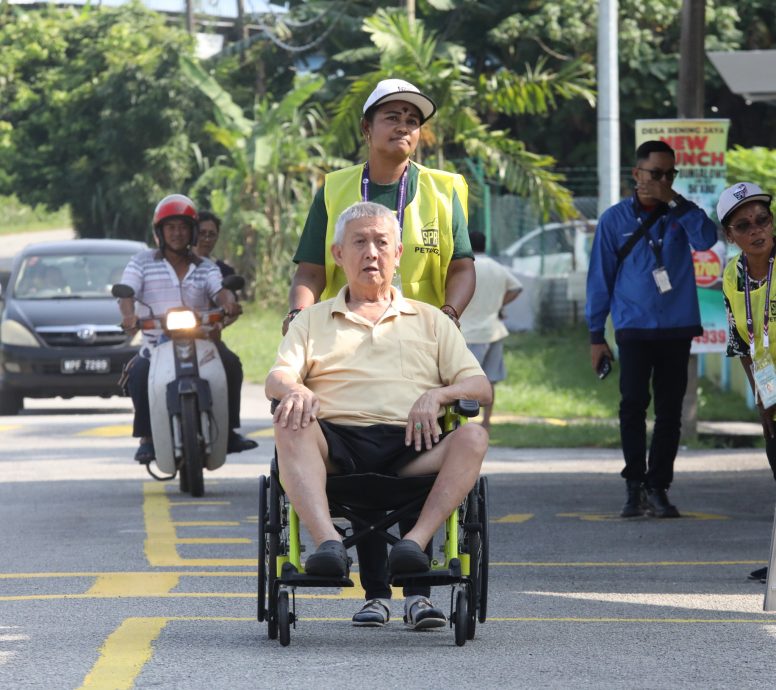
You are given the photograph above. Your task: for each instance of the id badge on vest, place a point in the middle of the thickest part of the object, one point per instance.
(662, 280)
(764, 375)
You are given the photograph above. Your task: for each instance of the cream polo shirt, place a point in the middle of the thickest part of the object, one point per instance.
(480, 322)
(365, 373)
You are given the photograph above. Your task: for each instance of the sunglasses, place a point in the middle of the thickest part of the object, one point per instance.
(745, 226)
(658, 175)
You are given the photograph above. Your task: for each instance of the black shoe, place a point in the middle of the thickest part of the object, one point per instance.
(422, 615)
(330, 559)
(145, 453)
(659, 506)
(407, 557)
(759, 575)
(635, 505)
(238, 443)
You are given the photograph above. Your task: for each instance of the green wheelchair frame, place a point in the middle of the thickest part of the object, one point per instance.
(466, 550)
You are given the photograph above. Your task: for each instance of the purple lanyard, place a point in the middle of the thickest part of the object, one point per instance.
(748, 303)
(401, 195)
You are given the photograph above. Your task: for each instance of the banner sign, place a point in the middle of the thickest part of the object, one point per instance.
(700, 147)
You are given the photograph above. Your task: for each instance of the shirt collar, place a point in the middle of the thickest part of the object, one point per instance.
(398, 303)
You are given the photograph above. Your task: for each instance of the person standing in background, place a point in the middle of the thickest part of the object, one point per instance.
(482, 323)
(641, 272)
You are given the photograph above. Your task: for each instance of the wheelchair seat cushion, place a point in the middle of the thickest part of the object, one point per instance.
(378, 448)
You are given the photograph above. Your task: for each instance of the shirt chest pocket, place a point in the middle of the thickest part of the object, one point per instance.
(419, 359)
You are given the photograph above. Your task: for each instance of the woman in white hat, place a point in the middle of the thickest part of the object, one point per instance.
(748, 286)
(437, 266)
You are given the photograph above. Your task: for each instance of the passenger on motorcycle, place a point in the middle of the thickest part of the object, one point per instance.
(174, 276)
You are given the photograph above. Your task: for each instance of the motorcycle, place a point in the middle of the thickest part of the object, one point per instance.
(187, 391)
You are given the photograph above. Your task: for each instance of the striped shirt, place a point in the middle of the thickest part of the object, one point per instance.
(155, 282)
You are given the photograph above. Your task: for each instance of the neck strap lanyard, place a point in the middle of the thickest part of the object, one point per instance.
(657, 247)
(401, 194)
(748, 303)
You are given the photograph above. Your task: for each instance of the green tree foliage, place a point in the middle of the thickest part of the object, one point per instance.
(465, 101)
(263, 183)
(93, 113)
(756, 165)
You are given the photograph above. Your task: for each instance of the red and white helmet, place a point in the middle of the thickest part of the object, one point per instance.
(175, 206)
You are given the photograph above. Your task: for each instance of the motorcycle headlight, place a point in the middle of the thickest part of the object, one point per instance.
(180, 320)
(13, 333)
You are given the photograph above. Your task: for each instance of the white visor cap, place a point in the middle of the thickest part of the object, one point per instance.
(400, 90)
(739, 194)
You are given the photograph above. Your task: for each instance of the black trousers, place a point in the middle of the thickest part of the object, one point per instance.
(138, 390)
(663, 364)
(373, 561)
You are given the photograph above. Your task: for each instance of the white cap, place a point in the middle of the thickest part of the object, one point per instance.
(400, 90)
(737, 195)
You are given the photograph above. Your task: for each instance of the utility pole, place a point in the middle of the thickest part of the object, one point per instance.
(411, 11)
(190, 17)
(690, 93)
(608, 78)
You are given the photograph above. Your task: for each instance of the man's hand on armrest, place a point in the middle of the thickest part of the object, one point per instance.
(422, 419)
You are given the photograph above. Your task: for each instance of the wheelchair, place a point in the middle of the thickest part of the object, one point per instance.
(463, 566)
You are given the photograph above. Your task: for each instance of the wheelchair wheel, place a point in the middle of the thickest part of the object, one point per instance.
(474, 548)
(485, 558)
(284, 618)
(272, 553)
(261, 591)
(461, 617)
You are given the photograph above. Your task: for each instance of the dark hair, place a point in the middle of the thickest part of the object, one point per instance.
(478, 241)
(209, 215)
(653, 146)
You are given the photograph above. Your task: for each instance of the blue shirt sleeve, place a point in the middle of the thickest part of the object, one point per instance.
(601, 275)
(701, 231)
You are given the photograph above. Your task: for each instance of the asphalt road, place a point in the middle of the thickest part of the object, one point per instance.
(111, 580)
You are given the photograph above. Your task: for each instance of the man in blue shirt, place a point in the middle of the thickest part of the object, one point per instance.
(651, 295)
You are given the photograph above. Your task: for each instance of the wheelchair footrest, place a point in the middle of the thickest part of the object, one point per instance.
(291, 577)
(430, 578)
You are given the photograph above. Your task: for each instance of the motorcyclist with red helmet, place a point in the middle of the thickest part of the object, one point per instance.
(174, 276)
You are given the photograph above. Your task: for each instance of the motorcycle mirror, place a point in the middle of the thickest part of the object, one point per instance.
(234, 283)
(122, 291)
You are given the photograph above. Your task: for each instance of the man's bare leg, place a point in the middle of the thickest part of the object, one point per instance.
(303, 462)
(457, 459)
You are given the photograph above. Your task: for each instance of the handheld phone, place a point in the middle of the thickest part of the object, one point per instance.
(604, 367)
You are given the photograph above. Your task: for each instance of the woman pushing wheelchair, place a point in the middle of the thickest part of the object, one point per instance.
(361, 379)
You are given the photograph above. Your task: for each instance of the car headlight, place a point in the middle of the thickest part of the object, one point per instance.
(13, 333)
(180, 320)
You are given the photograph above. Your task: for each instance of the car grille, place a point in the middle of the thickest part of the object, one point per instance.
(82, 336)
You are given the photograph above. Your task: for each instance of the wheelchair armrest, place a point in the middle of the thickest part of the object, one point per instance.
(466, 408)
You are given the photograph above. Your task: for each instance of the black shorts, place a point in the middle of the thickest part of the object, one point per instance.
(360, 449)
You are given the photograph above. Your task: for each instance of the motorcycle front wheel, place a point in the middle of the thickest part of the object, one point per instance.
(193, 455)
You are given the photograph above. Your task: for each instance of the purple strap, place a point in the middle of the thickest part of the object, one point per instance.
(748, 304)
(401, 195)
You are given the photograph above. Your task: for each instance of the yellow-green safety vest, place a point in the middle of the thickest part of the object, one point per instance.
(427, 235)
(738, 307)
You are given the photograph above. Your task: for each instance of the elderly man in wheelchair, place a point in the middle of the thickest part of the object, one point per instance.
(361, 380)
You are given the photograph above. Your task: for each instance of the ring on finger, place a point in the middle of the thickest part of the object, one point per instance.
(418, 426)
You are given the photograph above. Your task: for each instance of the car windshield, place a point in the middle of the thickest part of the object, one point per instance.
(69, 276)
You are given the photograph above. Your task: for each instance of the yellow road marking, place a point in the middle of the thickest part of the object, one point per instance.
(134, 584)
(208, 523)
(607, 517)
(263, 433)
(109, 431)
(143, 573)
(613, 564)
(162, 539)
(9, 427)
(125, 652)
(515, 517)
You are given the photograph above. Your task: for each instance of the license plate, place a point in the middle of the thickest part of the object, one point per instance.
(85, 366)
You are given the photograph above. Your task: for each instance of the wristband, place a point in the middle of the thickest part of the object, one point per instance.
(290, 316)
(451, 312)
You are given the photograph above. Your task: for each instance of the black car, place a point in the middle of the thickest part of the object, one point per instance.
(60, 332)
